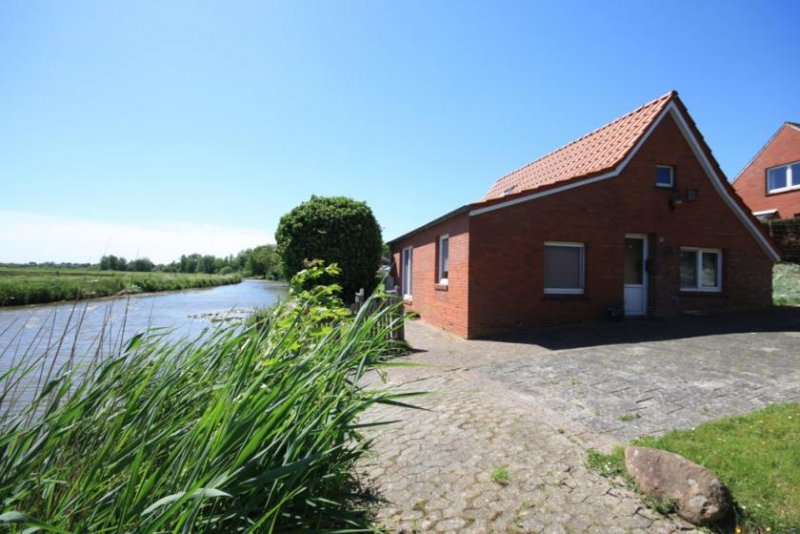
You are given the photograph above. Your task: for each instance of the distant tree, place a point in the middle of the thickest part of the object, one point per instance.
(336, 230)
(264, 261)
(142, 265)
(112, 263)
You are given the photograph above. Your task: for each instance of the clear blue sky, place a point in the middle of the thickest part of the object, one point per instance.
(123, 118)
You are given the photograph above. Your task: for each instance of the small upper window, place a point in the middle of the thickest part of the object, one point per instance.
(563, 268)
(783, 178)
(444, 259)
(665, 176)
(701, 269)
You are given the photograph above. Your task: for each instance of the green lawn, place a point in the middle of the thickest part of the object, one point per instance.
(756, 455)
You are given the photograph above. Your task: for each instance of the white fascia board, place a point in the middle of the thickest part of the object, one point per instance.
(716, 181)
(764, 212)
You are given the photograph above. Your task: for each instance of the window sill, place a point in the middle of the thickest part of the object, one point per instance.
(665, 186)
(784, 190)
(703, 292)
(441, 287)
(564, 296)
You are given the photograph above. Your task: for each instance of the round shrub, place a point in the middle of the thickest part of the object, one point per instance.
(335, 230)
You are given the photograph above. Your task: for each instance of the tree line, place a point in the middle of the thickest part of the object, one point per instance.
(262, 261)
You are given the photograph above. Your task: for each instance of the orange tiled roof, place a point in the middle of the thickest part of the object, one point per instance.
(594, 153)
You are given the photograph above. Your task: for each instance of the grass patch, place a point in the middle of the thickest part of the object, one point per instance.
(253, 430)
(756, 455)
(608, 465)
(628, 417)
(20, 286)
(501, 476)
(786, 284)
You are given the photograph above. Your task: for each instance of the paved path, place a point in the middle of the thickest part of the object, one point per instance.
(533, 406)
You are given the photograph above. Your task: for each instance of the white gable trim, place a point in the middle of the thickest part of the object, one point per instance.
(716, 181)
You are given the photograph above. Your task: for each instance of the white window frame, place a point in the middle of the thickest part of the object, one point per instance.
(406, 278)
(792, 182)
(698, 265)
(563, 290)
(671, 184)
(440, 261)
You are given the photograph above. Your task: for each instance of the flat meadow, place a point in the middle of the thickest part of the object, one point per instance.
(38, 285)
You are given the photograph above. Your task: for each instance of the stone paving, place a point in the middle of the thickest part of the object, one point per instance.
(533, 412)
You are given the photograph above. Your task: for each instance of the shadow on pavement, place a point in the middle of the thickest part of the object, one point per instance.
(590, 334)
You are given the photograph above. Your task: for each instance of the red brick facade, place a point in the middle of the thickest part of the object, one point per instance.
(751, 184)
(496, 281)
(444, 305)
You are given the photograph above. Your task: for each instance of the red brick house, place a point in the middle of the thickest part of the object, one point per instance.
(770, 183)
(636, 214)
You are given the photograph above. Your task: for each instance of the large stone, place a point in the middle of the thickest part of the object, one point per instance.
(699, 496)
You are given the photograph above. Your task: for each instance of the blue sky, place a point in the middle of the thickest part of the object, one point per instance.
(160, 128)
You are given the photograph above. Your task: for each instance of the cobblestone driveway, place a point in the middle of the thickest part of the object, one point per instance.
(532, 407)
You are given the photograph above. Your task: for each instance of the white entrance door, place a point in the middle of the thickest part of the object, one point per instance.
(635, 274)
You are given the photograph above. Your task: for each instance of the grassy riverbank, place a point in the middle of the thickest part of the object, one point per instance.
(248, 431)
(19, 285)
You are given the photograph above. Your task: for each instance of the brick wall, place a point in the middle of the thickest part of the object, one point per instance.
(506, 246)
(751, 185)
(437, 304)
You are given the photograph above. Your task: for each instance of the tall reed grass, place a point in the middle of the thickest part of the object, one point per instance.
(242, 430)
(20, 289)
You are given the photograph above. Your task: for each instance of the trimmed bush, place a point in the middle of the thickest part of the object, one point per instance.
(336, 230)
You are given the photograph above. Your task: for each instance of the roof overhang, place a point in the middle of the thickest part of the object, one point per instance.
(763, 215)
(446, 216)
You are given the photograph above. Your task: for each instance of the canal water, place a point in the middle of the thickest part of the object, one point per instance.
(79, 331)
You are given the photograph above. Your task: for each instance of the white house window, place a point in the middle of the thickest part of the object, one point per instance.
(563, 268)
(783, 178)
(701, 269)
(408, 258)
(665, 176)
(444, 259)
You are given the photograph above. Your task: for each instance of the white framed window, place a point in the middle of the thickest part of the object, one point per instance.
(783, 178)
(408, 262)
(443, 267)
(665, 176)
(563, 268)
(701, 269)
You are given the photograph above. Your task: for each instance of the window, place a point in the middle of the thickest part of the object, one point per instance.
(665, 176)
(444, 259)
(783, 178)
(408, 258)
(701, 269)
(563, 268)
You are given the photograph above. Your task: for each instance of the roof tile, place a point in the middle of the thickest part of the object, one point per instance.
(594, 153)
